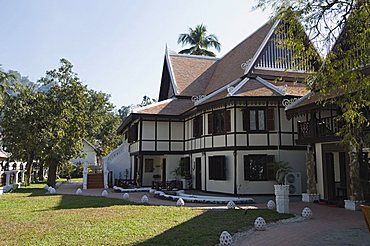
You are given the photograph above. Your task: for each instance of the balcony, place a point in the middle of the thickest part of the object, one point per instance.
(318, 130)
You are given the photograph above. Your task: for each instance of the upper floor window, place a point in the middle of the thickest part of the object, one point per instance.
(198, 126)
(219, 122)
(258, 119)
(133, 133)
(259, 167)
(217, 167)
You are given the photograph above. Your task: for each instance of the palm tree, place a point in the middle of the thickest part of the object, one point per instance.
(199, 41)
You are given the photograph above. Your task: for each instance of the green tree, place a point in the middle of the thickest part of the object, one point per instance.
(340, 29)
(22, 124)
(103, 122)
(345, 69)
(4, 84)
(199, 41)
(65, 116)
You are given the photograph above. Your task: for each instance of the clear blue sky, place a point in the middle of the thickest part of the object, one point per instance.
(116, 46)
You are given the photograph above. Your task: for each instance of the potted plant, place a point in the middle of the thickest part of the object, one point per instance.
(282, 168)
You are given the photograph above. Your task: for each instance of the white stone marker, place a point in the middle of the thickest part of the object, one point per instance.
(126, 196)
(230, 205)
(282, 198)
(225, 238)
(260, 224)
(180, 202)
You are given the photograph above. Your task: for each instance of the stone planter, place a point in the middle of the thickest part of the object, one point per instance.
(186, 184)
(306, 197)
(352, 205)
(282, 198)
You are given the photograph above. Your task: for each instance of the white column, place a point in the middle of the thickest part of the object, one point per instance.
(22, 176)
(282, 198)
(105, 173)
(16, 177)
(7, 178)
(84, 186)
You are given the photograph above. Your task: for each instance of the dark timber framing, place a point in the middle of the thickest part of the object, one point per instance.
(204, 145)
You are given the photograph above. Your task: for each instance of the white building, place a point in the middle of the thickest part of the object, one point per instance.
(222, 118)
(89, 154)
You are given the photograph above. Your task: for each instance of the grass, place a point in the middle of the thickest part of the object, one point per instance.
(29, 217)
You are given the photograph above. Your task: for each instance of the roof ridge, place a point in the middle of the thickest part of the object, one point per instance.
(240, 43)
(249, 36)
(170, 69)
(194, 56)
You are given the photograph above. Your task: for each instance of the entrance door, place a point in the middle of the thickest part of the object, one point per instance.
(329, 181)
(164, 166)
(198, 173)
(135, 168)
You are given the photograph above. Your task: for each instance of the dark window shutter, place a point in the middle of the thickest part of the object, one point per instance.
(245, 120)
(270, 121)
(246, 167)
(195, 127)
(210, 123)
(200, 123)
(129, 133)
(271, 167)
(227, 121)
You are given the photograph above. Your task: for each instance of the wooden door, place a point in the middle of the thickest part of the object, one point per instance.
(164, 167)
(135, 168)
(198, 173)
(329, 182)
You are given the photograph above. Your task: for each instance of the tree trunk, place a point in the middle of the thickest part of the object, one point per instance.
(41, 171)
(27, 179)
(354, 177)
(52, 173)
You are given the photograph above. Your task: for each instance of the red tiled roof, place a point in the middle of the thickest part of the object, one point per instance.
(228, 68)
(173, 106)
(187, 69)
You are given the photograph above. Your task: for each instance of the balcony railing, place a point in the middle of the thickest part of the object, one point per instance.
(317, 129)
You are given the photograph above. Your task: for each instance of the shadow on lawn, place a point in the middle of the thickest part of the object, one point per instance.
(206, 228)
(73, 201)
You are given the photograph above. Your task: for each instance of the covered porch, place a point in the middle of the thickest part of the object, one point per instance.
(159, 171)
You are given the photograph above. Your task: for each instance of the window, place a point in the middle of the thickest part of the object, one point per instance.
(198, 126)
(219, 122)
(133, 133)
(149, 165)
(259, 167)
(217, 168)
(258, 119)
(185, 166)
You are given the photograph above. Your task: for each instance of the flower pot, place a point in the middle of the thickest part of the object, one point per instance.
(307, 197)
(282, 198)
(352, 205)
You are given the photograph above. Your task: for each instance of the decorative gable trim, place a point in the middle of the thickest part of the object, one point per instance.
(294, 104)
(271, 86)
(260, 49)
(172, 75)
(217, 91)
(239, 86)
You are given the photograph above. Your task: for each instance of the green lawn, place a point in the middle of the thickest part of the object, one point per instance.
(28, 217)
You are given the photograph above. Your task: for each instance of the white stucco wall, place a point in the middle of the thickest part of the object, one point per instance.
(319, 170)
(88, 155)
(225, 186)
(118, 161)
